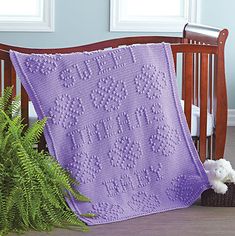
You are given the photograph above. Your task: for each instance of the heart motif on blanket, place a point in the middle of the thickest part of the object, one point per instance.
(109, 94)
(125, 153)
(144, 202)
(44, 64)
(164, 140)
(66, 111)
(182, 188)
(84, 168)
(150, 82)
(107, 211)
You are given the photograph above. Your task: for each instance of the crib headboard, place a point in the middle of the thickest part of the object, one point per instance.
(203, 77)
(208, 83)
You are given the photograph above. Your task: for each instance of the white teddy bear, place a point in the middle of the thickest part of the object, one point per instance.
(219, 172)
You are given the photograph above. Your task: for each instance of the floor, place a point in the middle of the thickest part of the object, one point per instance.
(196, 220)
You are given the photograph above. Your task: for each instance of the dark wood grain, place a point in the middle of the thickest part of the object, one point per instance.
(188, 87)
(24, 106)
(175, 61)
(1, 80)
(196, 79)
(220, 98)
(7, 73)
(13, 80)
(203, 105)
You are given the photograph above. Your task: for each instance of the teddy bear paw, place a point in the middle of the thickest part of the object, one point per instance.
(232, 176)
(221, 188)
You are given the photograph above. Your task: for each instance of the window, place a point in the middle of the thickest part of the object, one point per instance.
(27, 15)
(152, 15)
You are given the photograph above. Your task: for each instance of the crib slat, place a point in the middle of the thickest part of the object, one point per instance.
(1, 81)
(175, 61)
(42, 143)
(196, 79)
(188, 87)
(24, 106)
(7, 74)
(210, 146)
(193, 82)
(7, 78)
(184, 64)
(210, 106)
(210, 83)
(13, 80)
(203, 105)
(195, 140)
(183, 75)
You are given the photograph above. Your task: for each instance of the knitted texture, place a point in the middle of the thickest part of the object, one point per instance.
(116, 123)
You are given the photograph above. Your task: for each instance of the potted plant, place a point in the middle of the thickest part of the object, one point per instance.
(33, 186)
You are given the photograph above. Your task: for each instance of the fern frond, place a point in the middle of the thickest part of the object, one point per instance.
(14, 107)
(25, 161)
(33, 185)
(5, 100)
(33, 134)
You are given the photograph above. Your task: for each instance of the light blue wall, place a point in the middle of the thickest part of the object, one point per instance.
(84, 21)
(77, 22)
(221, 14)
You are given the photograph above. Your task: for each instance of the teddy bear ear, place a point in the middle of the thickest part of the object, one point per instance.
(224, 163)
(208, 163)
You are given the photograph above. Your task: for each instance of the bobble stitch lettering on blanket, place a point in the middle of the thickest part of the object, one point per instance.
(150, 82)
(84, 168)
(98, 131)
(125, 153)
(109, 94)
(157, 171)
(44, 64)
(123, 122)
(134, 59)
(118, 186)
(158, 112)
(106, 211)
(121, 56)
(67, 77)
(113, 125)
(86, 69)
(84, 74)
(108, 127)
(93, 130)
(77, 137)
(113, 187)
(66, 111)
(142, 202)
(116, 59)
(181, 189)
(164, 140)
(70, 75)
(141, 116)
(125, 182)
(143, 177)
(101, 64)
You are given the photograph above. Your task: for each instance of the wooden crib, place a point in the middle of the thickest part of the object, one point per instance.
(199, 62)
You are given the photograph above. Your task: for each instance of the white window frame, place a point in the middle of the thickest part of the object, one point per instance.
(153, 24)
(42, 23)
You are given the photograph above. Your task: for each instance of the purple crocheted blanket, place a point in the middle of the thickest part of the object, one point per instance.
(116, 123)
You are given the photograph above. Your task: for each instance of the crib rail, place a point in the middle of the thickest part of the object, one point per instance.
(203, 78)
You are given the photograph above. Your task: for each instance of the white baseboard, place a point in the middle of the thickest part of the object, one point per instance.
(231, 117)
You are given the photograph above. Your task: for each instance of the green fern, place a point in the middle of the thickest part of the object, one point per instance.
(33, 186)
